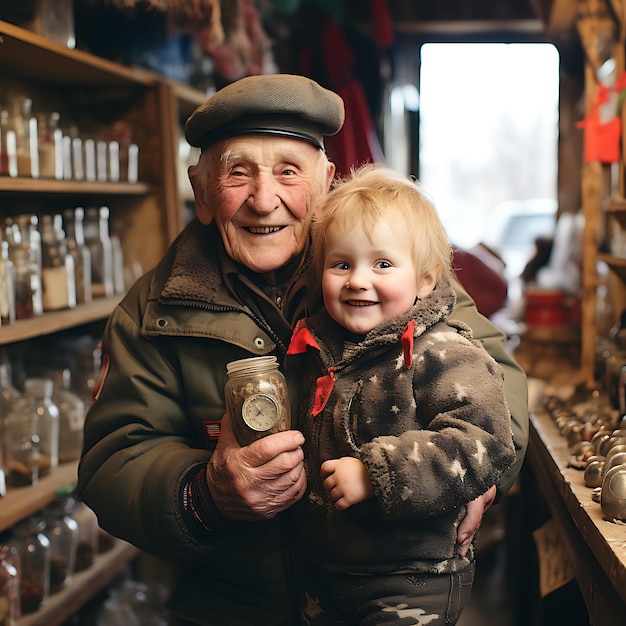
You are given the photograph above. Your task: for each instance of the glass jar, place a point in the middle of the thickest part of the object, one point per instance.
(10, 570)
(96, 229)
(7, 285)
(256, 398)
(71, 416)
(62, 532)
(87, 535)
(74, 235)
(21, 444)
(39, 391)
(34, 550)
(57, 270)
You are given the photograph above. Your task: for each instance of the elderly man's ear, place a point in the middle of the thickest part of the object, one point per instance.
(203, 211)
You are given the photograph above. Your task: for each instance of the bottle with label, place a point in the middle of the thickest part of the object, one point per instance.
(77, 248)
(58, 278)
(256, 398)
(39, 392)
(98, 240)
(50, 146)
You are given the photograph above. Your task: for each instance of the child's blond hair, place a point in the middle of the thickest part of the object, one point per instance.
(372, 192)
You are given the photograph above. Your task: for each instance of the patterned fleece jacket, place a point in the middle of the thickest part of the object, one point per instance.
(423, 407)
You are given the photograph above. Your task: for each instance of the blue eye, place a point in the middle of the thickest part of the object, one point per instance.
(383, 265)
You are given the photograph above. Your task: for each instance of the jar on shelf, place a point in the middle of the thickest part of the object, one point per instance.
(50, 146)
(39, 391)
(21, 444)
(71, 416)
(256, 398)
(87, 548)
(8, 145)
(57, 271)
(76, 246)
(98, 240)
(7, 285)
(34, 550)
(10, 571)
(62, 531)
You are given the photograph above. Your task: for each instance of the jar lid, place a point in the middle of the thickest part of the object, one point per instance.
(251, 364)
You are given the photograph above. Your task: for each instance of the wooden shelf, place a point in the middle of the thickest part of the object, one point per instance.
(98, 309)
(596, 546)
(21, 502)
(615, 263)
(26, 54)
(70, 187)
(62, 605)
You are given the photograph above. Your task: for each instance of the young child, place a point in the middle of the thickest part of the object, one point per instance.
(404, 416)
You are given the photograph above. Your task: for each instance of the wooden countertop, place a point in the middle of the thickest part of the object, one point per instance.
(597, 547)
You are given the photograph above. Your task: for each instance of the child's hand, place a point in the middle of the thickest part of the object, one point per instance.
(347, 481)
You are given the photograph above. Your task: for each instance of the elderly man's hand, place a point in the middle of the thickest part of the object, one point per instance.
(260, 480)
(473, 518)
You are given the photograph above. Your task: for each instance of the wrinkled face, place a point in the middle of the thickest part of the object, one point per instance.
(369, 280)
(263, 197)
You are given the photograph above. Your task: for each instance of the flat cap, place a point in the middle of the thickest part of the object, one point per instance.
(275, 104)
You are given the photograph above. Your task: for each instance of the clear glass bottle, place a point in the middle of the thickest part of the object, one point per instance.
(50, 146)
(21, 444)
(57, 274)
(71, 416)
(87, 535)
(62, 532)
(34, 550)
(26, 135)
(39, 391)
(75, 237)
(25, 251)
(256, 398)
(8, 145)
(98, 240)
(10, 572)
(7, 285)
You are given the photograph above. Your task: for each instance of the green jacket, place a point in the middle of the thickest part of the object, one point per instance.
(165, 350)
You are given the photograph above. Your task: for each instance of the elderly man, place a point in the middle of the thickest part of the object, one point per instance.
(160, 466)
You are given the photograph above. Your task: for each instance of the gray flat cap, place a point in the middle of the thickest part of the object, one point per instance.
(275, 104)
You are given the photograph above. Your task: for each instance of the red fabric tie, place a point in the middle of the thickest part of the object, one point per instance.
(407, 343)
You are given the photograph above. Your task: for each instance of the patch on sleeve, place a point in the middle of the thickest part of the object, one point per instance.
(104, 370)
(212, 429)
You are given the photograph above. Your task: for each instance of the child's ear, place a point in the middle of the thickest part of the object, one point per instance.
(427, 282)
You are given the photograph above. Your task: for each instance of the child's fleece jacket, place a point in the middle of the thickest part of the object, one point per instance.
(423, 407)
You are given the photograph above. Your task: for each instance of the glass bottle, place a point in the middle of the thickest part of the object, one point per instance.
(21, 444)
(87, 535)
(25, 252)
(26, 135)
(62, 532)
(39, 391)
(34, 550)
(75, 237)
(8, 145)
(50, 146)
(96, 228)
(71, 417)
(256, 398)
(58, 277)
(10, 572)
(7, 285)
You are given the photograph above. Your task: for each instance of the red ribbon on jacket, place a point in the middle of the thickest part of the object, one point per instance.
(407, 343)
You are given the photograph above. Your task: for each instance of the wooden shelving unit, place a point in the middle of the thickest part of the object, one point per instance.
(92, 89)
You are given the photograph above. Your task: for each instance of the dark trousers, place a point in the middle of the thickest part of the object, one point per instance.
(408, 598)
